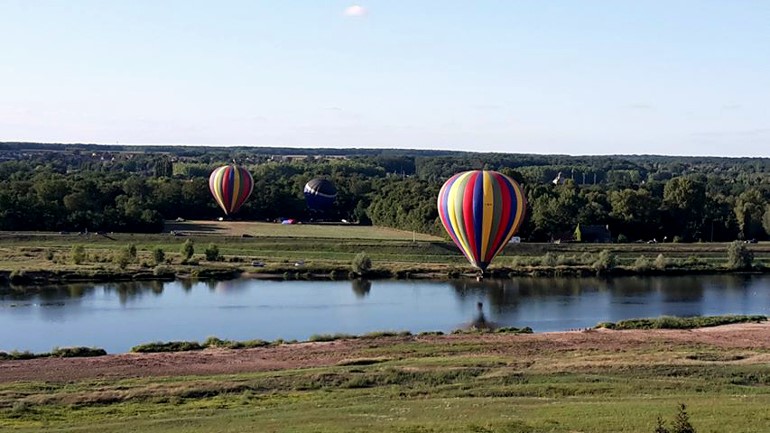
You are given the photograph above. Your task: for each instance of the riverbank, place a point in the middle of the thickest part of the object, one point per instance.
(597, 380)
(49, 258)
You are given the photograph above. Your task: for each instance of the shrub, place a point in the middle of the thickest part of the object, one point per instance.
(361, 264)
(158, 255)
(681, 423)
(642, 264)
(131, 252)
(122, 259)
(622, 239)
(738, 256)
(672, 322)
(188, 249)
(79, 254)
(660, 262)
(171, 346)
(587, 258)
(49, 255)
(549, 259)
(212, 253)
(77, 352)
(567, 260)
(605, 262)
(163, 271)
(330, 337)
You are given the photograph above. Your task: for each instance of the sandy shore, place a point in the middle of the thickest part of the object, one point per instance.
(302, 355)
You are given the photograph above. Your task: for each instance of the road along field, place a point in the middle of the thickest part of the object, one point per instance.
(591, 381)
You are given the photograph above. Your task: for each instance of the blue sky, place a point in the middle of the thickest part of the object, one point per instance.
(575, 77)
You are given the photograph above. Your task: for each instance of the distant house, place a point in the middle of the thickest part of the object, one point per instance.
(593, 234)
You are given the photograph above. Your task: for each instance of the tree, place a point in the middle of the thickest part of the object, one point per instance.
(78, 254)
(681, 423)
(738, 256)
(188, 249)
(661, 426)
(749, 210)
(362, 264)
(766, 220)
(605, 262)
(685, 199)
(212, 253)
(126, 256)
(158, 255)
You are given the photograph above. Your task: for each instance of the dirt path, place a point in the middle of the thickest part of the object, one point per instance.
(302, 355)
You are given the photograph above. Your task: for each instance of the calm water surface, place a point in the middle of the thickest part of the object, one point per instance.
(119, 316)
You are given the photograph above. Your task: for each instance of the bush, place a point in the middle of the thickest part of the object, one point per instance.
(212, 253)
(681, 423)
(171, 346)
(362, 264)
(738, 256)
(672, 322)
(330, 337)
(605, 262)
(77, 352)
(642, 264)
(660, 262)
(131, 252)
(79, 254)
(49, 255)
(163, 271)
(126, 256)
(188, 249)
(549, 259)
(622, 239)
(158, 255)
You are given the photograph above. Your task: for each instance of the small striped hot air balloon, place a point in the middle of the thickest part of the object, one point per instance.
(481, 210)
(231, 186)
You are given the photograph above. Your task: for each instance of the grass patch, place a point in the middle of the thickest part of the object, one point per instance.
(378, 334)
(170, 346)
(330, 337)
(57, 352)
(672, 322)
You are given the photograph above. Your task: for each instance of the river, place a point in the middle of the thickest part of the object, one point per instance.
(118, 316)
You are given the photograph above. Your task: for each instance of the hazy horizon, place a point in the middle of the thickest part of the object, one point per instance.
(565, 77)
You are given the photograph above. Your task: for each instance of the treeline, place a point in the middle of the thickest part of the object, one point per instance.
(638, 197)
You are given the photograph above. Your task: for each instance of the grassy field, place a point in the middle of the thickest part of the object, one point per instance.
(326, 248)
(439, 384)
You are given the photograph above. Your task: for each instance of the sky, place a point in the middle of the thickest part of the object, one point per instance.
(674, 77)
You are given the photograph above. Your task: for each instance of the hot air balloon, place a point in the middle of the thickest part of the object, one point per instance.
(231, 186)
(320, 194)
(481, 211)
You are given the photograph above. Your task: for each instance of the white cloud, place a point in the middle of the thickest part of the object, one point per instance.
(355, 11)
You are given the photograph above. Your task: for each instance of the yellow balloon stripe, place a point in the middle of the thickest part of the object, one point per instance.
(488, 214)
(455, 199)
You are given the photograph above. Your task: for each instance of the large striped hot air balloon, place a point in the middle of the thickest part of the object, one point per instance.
(231, 186)
(481, 211)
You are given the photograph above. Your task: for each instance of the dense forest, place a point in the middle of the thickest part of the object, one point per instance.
(134, 188)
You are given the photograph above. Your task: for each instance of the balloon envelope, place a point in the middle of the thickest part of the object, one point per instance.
(231, 186)
(481, 211)
(320, 194)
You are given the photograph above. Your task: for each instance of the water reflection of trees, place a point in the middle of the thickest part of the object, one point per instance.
(361, 287)
(508, 294)
(132, 290)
